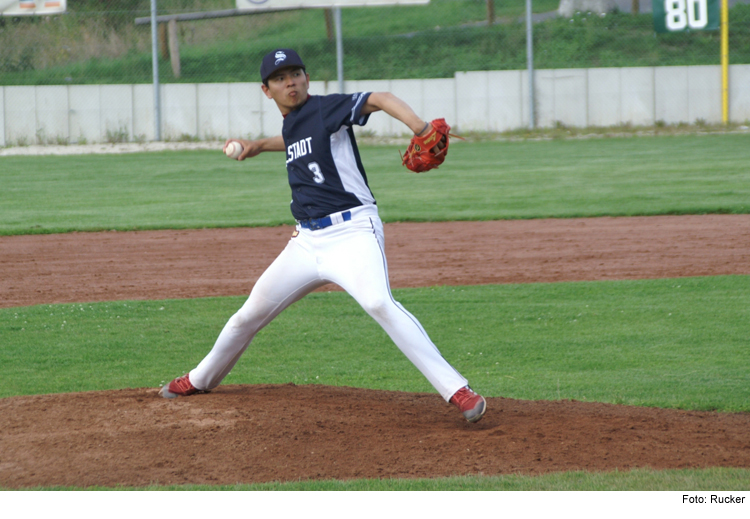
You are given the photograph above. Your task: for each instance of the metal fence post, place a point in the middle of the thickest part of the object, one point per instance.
(155, 62)
(724, 61)
(339, 49)
(530, 63)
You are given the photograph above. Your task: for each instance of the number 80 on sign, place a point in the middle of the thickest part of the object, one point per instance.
(685, 15)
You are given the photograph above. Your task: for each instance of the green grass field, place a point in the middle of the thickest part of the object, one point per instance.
(665, 343)
(689, 174)
(676, 343)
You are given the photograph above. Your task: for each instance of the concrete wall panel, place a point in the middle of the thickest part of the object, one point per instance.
(472, 101)
(604, 96)
(332, 87)
(671, 94)
(438, 100)
(739, 93)
(380, 124)
(20, 115)
(571, 92)
(117, 112)
(411, 91)
(85, 109)
(245, 110)
(2, 116)
(637, 91)
(179, 111)
(317, 88)
(144, 125)
(213, 111)
(52, 121)
(704, 94)
(504, 103)
(545, 98)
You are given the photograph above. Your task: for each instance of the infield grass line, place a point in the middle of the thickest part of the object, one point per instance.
(710, 479)
(692, 174)
(671, 343)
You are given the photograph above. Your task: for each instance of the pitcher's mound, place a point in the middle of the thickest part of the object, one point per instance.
(245, 434)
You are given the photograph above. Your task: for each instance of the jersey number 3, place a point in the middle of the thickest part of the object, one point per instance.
(317, 174)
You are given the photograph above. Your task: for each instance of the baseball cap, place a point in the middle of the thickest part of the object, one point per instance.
(278, 59)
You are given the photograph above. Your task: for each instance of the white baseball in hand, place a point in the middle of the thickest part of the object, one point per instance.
(233, 149)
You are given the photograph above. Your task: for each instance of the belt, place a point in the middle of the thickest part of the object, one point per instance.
(321, 223)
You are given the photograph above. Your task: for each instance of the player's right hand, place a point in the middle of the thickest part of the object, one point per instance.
(250, 148)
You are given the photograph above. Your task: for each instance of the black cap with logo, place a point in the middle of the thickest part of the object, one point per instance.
(278, 59)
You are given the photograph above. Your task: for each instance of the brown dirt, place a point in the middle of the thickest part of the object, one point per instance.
(85, 267)
(286, 432)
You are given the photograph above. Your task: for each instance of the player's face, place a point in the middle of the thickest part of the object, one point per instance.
(288, 87)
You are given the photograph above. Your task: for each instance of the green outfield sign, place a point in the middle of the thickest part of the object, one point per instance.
(685, 15)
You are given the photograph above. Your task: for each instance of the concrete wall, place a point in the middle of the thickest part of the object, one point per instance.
(471, 101)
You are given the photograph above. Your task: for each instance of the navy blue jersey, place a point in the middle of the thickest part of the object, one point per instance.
(325, 171)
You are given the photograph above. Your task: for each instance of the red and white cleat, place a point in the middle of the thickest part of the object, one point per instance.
(471, 405)
(181, 386)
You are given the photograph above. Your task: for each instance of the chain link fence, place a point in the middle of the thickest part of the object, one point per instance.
(99, 41)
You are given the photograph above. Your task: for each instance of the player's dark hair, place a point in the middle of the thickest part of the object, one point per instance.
(265, 81)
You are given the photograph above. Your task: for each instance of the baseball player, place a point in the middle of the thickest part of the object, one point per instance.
(338, 237)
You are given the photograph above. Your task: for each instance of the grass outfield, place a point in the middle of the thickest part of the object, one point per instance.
(662, 343)
(481, 181)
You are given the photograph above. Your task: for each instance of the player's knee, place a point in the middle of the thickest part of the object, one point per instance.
(243, 320)
(377, 307)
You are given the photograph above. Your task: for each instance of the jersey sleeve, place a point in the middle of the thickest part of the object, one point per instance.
(344, 110)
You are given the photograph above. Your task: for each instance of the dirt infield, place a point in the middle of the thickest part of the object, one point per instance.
(287, 432)
(86, 267)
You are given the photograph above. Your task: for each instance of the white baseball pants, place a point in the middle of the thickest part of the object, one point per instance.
(352, 255)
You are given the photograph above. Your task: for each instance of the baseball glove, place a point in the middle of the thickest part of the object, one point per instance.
(423, 153)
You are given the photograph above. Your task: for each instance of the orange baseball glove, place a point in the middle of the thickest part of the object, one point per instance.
(426, 152)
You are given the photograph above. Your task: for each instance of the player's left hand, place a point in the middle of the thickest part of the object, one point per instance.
(428, 150)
